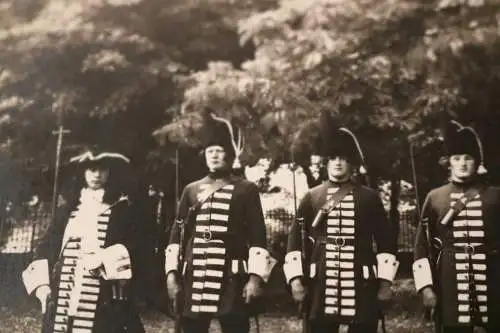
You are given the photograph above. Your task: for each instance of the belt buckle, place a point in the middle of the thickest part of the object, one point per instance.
(207, 235)
(339, 241)
(469, 249)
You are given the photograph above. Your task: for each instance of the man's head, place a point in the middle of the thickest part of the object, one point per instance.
(219, 143)
(340, 149)
(216, 158)
(97, 165)
(96, 176)
(462, 167)
(464, 152)
(339, 169)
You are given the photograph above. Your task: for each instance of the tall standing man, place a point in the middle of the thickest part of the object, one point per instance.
(84, 266)
(216, 260)
(343, 280)
(457, 262)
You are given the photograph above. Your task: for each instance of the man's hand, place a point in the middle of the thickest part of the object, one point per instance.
(429, 298)
(252, 289)
(298, 290)
(385, 294)
(42, 293)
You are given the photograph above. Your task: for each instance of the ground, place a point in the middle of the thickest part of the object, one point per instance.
(404, 317)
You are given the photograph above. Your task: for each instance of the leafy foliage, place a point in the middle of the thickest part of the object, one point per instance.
(112, 69)
(388, 70)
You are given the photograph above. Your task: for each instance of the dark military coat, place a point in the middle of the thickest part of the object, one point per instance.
(342, 262)
(464, 256)
(218, 236)
(99, 310)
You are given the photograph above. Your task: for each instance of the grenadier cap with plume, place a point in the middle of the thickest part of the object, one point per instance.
(340, 141)
(460, 139)
(221, 132)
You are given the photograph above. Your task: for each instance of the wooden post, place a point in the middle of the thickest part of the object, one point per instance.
(60, 132)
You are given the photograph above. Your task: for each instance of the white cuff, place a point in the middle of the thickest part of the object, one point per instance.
(260, 262)
(171, 258)
(36, 275)
(422, 273)
(116, 262)
(293, 265)
(387, 266)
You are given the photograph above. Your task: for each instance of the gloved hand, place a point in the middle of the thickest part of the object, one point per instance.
(93, 263)
(298, 290)
(384, 295)
(42, 293)
(252, 289)
(429, 298)
(173, 289)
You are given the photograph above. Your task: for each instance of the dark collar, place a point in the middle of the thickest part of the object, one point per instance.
(219, 174)
(463, 186)
(337, 184)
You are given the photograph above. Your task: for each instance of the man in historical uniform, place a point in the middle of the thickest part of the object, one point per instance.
(457, 266)
(84, 265)
(342, 280)
(217, 249)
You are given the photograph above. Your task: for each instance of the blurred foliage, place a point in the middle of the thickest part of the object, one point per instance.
(112, 70)
(392, 71)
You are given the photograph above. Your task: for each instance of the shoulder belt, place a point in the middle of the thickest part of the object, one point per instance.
(335, 199)
(460, 204)
(211, 190)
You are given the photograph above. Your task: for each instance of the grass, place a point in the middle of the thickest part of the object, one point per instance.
(404, 317)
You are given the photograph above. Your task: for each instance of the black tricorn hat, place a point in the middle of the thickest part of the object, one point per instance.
(460, 139)
(340, 141)
(93, 156)
(218, 131)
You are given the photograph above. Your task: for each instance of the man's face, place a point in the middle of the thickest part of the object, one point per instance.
(96, 177)
(215, 157)
(462, 166)
(338, 168)
(315, 165)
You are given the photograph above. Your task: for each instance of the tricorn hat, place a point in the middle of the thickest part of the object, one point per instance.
(460, 139)
(340, 141)
(97, 156)
(219, 131)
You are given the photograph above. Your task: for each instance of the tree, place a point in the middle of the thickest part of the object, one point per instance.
(388, 70)
(113, 69)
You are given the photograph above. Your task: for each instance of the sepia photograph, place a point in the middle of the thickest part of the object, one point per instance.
(249, 166)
